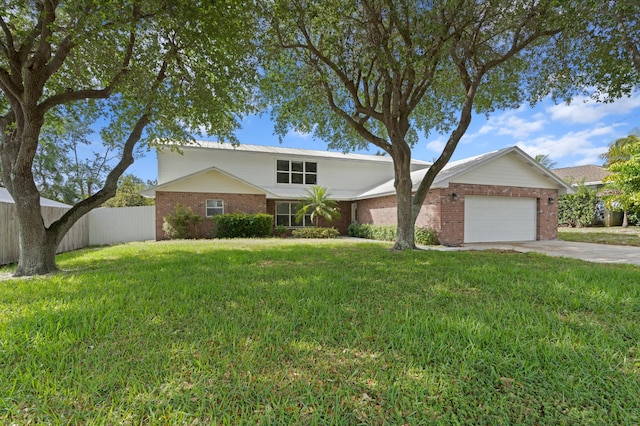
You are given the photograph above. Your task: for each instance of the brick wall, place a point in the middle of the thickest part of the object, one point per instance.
(547, 213)
(439, 211)
(378, 211)
(446, 215)
(233, 203)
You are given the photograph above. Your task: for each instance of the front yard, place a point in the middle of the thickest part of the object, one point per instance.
(615, 235)
(319, 332)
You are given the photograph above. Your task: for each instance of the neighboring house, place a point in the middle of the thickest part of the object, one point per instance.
(499, 196)
(5, 197)
(591, 175)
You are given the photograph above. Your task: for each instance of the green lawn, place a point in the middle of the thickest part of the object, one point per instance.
(288, 332)
(616, 235)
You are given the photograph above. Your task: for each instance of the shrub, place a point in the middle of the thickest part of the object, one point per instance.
(355, 230)
(423, 236)
(315, 233)
(633, 216)
(577, 209)
(182, 223)
(243, 225)
(372, 232)
(426, 237)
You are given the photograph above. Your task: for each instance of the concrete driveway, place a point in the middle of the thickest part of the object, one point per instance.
(599, 253)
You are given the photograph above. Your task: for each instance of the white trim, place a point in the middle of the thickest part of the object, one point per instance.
(151, 192)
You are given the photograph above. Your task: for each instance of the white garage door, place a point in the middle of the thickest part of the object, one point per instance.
(488, 219)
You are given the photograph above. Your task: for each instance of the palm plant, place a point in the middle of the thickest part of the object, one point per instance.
(319, 204)
(545, 161)
(620, 149)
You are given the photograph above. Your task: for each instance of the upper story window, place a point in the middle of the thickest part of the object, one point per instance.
(297, 172)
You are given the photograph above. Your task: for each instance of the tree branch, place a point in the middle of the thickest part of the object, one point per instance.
(447, 152)
(75, 95)
(43, 51)
(62, 225)
(71, 216)
(8, 85)
(58, 59)
(357, 125)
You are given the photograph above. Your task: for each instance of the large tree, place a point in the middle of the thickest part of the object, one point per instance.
(154, 69)
(378, 71)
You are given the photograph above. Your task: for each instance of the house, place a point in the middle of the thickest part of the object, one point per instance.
(590, 175)
(499, 196)
(6, 198)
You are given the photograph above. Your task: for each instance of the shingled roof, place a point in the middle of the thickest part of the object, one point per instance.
(589, 174)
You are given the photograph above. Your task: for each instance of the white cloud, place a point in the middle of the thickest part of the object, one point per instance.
(591, 156)
(581, 143)
(299, 134)
(584, 110)
(510, 124)
(295, 133)
(436, 145)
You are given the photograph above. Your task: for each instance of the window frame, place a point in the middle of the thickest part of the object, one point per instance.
(207, 207)
(304, 171)
(291, 216)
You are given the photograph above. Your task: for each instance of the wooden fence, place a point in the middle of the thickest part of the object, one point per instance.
(99, 227)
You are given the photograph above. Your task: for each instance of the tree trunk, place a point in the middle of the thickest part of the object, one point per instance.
(37, 245)
(37, 252)
(625, 219)
(405, 232)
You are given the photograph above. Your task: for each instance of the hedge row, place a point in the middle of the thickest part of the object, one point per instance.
(184, 223)
(242, 225)
(423, 236)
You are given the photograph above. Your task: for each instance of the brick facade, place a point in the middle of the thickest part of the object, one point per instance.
(439, 210)
(233, 203)
(446, 215)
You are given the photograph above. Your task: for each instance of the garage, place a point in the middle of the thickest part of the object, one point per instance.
(491, 219)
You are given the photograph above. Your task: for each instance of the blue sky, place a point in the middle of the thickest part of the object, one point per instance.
(571, 135)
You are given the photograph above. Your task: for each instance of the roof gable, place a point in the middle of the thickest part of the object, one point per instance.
(474, 170)
(211, 179)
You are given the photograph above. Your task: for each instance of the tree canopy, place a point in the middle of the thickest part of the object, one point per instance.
(128, 193)
(148, 70)
(378, 72)
(620, 149)
(623, 185)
